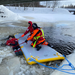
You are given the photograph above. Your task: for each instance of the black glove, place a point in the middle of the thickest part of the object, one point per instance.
(26, 41)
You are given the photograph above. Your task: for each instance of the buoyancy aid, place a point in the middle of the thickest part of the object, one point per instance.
(38, 34)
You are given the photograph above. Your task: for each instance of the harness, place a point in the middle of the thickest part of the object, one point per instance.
(37, 37)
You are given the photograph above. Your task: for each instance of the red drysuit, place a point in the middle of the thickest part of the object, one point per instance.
(29, 29)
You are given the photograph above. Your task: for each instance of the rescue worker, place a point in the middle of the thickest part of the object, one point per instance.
(38, 36)
(14, 43)
(29, 29)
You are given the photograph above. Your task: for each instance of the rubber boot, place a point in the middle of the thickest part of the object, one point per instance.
(16, 52)
(38, 47)
(20, 52)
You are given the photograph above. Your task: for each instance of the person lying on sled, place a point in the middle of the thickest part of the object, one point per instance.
(29, 29)
(38, 36)
(14, 43)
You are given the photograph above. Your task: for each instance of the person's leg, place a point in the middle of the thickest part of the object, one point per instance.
(19, 50)
(38, 44)
(46, 43)
(33, 44)
(38, 47)
(15, 50)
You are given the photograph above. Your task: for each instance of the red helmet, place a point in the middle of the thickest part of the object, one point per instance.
(30, 22)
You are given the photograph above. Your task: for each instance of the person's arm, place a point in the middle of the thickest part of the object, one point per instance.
(8, 42)
(35, 32)
(16, 43)
(25, 32)
(11, 44)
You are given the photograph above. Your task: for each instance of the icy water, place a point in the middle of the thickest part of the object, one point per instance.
(61, 35)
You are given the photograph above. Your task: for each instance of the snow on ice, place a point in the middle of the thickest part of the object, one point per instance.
(7, 15)
(12, 65)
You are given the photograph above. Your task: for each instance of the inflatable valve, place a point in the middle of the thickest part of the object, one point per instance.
(36, 58)
(57, 54)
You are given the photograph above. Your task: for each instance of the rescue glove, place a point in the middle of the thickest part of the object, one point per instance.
(26, 41)
(22, 35)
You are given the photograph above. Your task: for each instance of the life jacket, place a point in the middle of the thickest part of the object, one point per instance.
(37, 37)
(38, 34)
(42, 34)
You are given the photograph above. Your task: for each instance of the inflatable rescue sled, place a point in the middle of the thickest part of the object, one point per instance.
(45, 54)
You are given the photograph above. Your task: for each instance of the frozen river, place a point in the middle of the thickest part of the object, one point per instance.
(59, 34)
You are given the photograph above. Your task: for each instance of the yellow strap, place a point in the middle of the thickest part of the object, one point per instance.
(34, 44)
(37, 37)
(42, 33)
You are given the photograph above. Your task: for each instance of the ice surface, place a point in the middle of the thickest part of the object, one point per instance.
(9, 63)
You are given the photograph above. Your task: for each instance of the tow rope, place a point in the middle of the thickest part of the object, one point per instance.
(59, 68)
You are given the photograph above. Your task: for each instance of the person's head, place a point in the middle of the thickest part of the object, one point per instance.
(34, 25)
(30, 23)
(10, 37)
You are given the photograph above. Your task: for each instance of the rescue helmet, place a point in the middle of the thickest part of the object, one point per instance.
(30, 23)
(34, 25)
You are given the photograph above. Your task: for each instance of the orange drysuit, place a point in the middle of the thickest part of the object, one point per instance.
(38, 37)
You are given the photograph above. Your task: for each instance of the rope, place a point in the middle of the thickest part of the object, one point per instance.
(70, 64)
(59, 68)
(21, 43)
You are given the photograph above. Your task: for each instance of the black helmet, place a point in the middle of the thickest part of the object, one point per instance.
(34, 25)
(10, 36)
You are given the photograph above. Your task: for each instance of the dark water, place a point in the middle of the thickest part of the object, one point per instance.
(64, 44)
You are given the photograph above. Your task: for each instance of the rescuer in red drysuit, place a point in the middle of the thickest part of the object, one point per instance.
(38, 36)
(29, 29)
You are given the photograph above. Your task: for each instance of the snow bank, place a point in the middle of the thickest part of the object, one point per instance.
(38, 10)
(7, 15)
(38, 14)
(35, 14)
